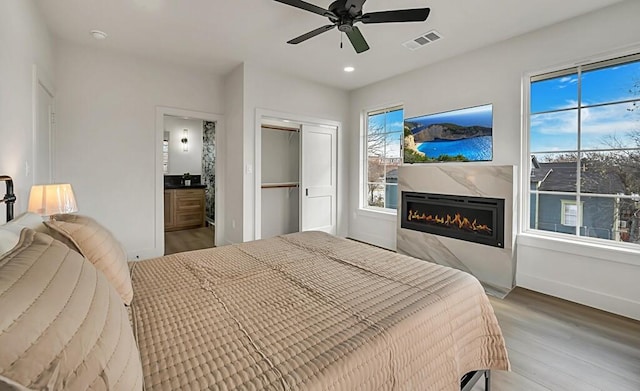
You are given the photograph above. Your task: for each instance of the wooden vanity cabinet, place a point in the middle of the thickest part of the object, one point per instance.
(183, 209)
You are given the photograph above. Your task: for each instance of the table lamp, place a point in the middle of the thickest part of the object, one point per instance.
(49, 200)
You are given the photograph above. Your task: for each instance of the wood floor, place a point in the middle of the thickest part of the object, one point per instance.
(188, 239)
(558, 345)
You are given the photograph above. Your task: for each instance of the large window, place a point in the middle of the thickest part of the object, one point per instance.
(584, 142)
(383, 156)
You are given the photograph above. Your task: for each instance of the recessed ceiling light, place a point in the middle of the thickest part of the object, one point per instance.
(349, 69)
(99, 35)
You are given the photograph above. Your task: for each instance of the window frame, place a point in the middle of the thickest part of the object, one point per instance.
(580, 66)
(364, 169)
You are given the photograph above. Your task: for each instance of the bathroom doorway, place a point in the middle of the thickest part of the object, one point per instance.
(189, 168)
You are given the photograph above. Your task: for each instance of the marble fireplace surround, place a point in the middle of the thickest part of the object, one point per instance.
(495, 267)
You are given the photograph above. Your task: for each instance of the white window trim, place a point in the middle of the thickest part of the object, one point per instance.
(363, 207)
(579, 245)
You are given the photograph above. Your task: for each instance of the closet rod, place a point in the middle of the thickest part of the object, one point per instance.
(280, 185)
(274, 127)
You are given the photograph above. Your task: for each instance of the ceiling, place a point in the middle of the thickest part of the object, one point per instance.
(220, 34)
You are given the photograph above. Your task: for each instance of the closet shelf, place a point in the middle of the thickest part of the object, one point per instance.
(276, 185)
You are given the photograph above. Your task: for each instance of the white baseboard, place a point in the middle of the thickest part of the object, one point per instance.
(617, 305)
(375, 240)
(148, 253)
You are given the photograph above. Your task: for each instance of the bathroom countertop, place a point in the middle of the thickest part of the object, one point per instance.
(171, 187)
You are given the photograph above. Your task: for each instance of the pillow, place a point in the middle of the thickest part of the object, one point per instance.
(63, 326)
(8, 240)
(26, 220)
(98, 245)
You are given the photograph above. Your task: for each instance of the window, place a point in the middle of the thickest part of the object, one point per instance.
(165, 156)
(569, 213)
(584, 144)
(384, 130)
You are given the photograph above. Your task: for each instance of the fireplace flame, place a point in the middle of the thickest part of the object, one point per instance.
(457, 221)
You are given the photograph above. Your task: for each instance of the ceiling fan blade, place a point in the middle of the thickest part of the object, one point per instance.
(308, 7)
(410, 15)
(354, 6)
(311, 34)
(357, 40)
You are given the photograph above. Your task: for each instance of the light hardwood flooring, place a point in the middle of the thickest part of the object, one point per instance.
(188, 239)
(554, 345)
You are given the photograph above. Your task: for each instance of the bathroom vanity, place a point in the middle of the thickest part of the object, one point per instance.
(184, 208)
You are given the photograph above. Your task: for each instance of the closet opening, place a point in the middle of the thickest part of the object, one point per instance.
(296, 174)
(280, 178)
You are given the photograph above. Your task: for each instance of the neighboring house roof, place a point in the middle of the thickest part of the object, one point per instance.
(392, 176)
(562, 177)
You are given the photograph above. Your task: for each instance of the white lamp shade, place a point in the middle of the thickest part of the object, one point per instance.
(47, 200)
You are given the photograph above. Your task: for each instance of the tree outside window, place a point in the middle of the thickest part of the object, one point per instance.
(383, 138)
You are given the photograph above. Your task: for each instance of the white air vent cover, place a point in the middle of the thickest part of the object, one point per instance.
(422, 40)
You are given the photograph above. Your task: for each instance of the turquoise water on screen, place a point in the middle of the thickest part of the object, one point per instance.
(477, 148)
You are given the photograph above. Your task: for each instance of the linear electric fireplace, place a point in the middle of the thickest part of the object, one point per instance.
(474, 219)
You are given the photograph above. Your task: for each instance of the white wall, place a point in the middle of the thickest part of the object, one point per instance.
(494, 75)
(248, 88)
(106, 132)
(24, 41)
(234, 116)
(181, 161)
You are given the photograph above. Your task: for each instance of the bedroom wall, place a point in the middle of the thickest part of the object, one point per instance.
(271, 90)
(234, 121)
(600, 277)
(24, 41)
(106, 130)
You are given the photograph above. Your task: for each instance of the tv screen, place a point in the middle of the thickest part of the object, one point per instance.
(464, 135)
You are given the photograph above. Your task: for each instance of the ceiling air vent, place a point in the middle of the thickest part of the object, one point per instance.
(422, 40)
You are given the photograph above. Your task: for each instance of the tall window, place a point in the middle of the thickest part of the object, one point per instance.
(584, 140)
(383, 142)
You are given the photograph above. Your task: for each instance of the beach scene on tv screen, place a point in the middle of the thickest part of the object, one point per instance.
(464, 135)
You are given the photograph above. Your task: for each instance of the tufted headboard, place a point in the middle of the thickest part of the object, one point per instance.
(9, 198)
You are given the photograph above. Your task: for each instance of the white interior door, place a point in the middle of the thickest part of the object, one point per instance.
(318, 158)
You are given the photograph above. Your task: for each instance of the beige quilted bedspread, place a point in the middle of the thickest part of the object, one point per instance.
(309, 311)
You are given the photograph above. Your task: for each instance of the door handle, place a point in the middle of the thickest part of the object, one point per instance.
(306, 192)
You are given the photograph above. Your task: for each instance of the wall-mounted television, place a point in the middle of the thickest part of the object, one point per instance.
(464, 135)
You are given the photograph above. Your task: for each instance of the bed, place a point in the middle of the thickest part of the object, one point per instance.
(305, 311)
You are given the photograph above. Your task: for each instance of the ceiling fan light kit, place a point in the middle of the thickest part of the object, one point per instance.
(343, 14)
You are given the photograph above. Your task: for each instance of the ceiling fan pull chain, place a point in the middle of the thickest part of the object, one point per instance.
(341, 36)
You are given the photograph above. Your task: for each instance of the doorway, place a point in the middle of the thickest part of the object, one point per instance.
(188, 173)
(296, 174)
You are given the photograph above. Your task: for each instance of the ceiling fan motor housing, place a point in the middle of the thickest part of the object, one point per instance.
(345, 19)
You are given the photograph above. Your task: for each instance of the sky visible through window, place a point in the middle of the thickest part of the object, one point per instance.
(389, 122)
(554, 109)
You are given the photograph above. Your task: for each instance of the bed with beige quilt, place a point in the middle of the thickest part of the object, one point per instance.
(305, 311)
(309, 311)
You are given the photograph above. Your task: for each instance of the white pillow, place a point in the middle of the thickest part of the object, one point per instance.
(8, 240)
(26, 220)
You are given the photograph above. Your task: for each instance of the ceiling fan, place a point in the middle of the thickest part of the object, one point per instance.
(344, 14)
